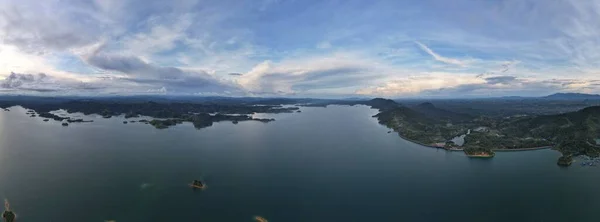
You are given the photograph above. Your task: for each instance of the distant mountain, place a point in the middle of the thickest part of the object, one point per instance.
(572, 96)
(382, 104)
(431, 111)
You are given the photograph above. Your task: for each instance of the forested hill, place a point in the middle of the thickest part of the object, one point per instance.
(573, 133)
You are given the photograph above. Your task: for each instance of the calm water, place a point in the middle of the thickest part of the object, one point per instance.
(324, 164)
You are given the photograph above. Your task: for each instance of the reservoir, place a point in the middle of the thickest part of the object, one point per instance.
(323, 164)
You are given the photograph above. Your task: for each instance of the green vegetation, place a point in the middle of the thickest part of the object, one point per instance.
(167, 113)
(203, 120)
(571, 133)
(565, 160)
(479, 152)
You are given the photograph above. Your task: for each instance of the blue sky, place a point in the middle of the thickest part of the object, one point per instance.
(425, 48)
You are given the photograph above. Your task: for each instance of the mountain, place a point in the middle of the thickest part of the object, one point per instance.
(572, 96)
(431, 111)
(381, 104)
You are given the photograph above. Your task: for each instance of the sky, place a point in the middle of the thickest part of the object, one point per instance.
(300, 48)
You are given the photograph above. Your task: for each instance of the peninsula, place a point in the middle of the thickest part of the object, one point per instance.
(485, 131)
(572, 133)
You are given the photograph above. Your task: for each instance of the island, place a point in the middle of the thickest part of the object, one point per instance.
(70, 120)
(260, 219)
(203, 120)
(163, 114)
(565, 160)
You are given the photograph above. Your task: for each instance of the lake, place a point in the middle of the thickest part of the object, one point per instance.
(324, 164)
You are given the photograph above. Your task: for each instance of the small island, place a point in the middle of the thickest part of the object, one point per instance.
(565, 161)
(65, 124)
(260, 219)
(78, 120)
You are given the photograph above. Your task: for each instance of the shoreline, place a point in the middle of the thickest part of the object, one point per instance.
(522, 149)
(461, 149)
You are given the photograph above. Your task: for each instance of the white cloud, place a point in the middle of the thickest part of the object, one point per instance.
(443, 59)
(415, 84)
(160, 37)
(301, 74)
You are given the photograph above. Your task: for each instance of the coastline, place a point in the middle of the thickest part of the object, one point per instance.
(480, 155)
(418, 143)
(522, 149)
(461, 149)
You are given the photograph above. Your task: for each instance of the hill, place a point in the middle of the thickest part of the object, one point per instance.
(572, 96)
(381, 104)
(432, 111)
(574, 133)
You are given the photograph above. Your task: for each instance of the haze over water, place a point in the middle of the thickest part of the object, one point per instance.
(324, 164)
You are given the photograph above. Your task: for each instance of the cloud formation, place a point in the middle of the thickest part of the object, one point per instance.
(41, 83)
(226, 47)
(440, 58)
(143, 73)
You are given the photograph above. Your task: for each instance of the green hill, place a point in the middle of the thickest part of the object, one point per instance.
(573, 133)
(432, 111)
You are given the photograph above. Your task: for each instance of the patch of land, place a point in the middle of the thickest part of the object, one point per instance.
(164, 114)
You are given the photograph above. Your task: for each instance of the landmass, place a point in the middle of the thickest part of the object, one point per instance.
(164, 114)
(204, 120)
(571, 133)
(568, 123)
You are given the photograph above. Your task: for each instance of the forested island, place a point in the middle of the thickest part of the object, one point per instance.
(165, 114)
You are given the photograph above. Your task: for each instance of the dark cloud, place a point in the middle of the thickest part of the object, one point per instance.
(500, 79)
(44, 83)
(235, 74)
(174, 79)
(16, 80)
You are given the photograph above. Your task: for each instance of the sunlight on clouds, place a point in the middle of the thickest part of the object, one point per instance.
(502, 48)
(414, 85)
